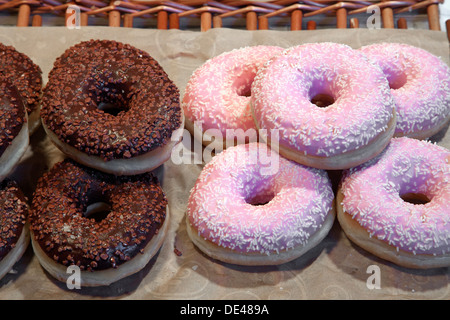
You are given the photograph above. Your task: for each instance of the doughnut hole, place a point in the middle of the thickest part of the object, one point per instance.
(110, 95)
(321, 93)
(109, 108)
(396, 79)
(322, 100)
(418, 194)
(258, 190)
(243, 85)
(414, 180)
(97, 211)
(96, 206)
(415, 198)
(112, 100)
(245, 91)
(260, 199)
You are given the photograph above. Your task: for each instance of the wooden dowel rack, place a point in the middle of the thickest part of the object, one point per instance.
(212, 14)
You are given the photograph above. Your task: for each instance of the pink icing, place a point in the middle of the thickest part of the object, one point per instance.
(283, 89)
(218, 91)
(220, 208)
(420, 83)
(372, 196)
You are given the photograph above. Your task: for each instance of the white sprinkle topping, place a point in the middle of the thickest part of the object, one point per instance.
(372, 196)
(300, 200)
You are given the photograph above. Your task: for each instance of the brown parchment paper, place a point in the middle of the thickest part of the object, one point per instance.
(335, 269)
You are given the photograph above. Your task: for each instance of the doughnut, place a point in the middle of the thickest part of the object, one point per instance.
(246, 210)
(218, 93)
(14, 233)
(330, 107)
(420, 85)
(23, 73)
(112, 107)
(14, 136)
(109, 226)
(396, 206)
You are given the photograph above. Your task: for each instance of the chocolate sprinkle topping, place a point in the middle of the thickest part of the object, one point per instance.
(111, 100)
(13, 215)
(23, 73)
(12, 113)
(67, 235)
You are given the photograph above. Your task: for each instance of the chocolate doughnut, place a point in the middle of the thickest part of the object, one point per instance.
(66, 230)
(27, 77)
(14, 233)
(14, 137)
(112, 107)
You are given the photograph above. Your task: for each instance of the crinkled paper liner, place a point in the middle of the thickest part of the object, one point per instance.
(335, 269)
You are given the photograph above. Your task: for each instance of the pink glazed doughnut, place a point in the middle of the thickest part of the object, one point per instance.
(250, 206)
(218, 94)
(397, 205)
(420, 85)
(331, 108)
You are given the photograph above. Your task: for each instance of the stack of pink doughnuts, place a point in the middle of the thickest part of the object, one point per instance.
(324, 107)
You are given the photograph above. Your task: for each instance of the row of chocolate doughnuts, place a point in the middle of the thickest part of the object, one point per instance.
(20, 88)
(113, 112)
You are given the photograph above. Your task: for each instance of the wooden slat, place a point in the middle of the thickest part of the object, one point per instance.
(257, 14)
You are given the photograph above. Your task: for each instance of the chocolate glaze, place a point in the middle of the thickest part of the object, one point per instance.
(23, 73)
(66, 235)
(95, 73)
(12, 113)
(13, 215)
